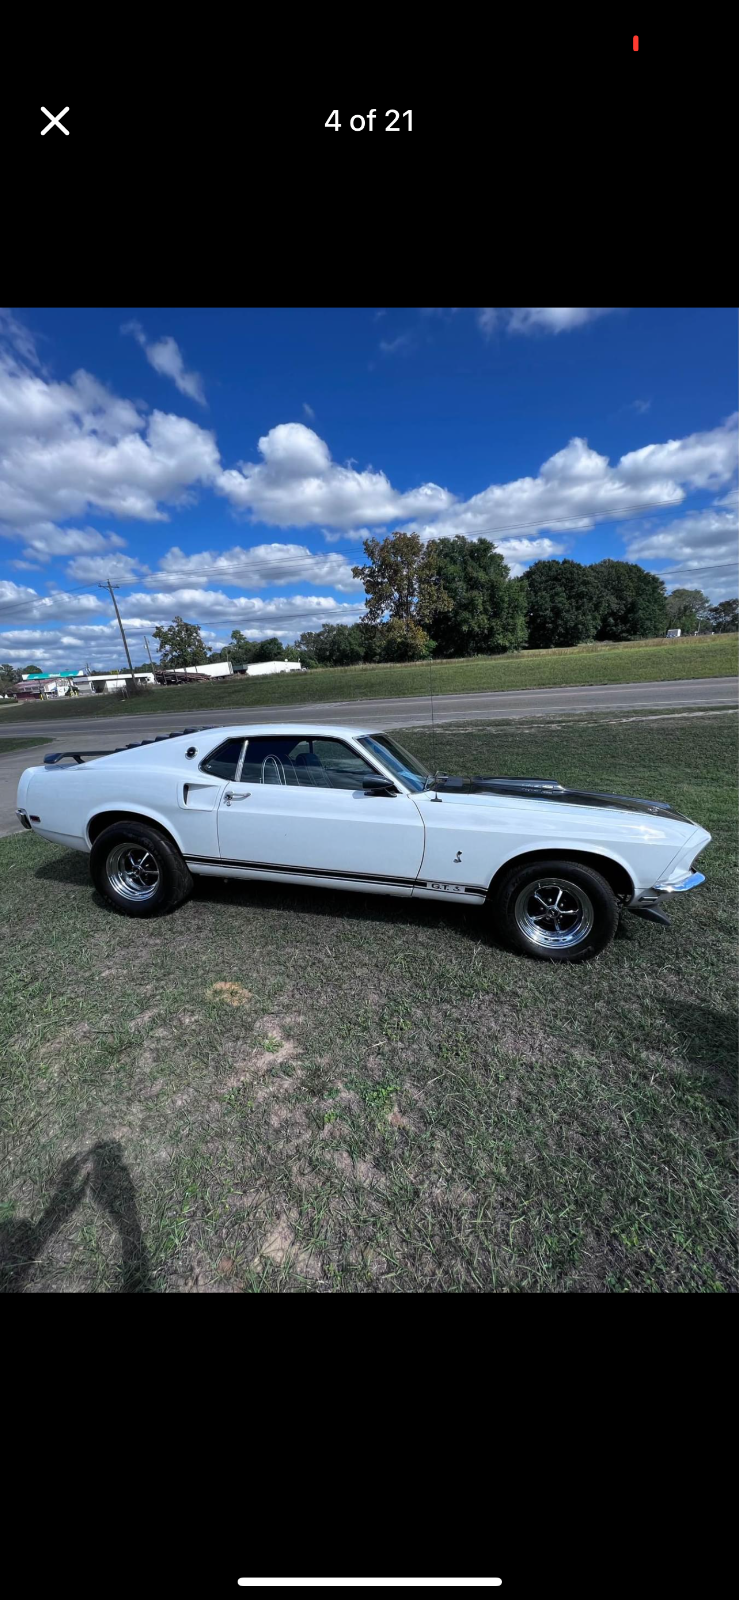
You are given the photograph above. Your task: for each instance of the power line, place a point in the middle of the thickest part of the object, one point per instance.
(307, 562)
(24, 605)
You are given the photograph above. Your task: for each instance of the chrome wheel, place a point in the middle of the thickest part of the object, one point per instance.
(133, 871)
(554, 913)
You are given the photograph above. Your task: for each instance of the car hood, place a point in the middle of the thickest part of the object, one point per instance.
(550, 789)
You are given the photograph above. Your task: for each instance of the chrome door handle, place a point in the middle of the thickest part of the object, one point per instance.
(229, 796)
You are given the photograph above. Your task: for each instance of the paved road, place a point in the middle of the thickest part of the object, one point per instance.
(104, 733)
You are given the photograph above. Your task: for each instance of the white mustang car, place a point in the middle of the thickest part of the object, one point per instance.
(343, 808)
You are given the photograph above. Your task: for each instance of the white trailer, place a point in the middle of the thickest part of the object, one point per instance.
(264, 669)
(211, 669)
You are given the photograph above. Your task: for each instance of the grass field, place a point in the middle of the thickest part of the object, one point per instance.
(275, 1090)
(647, 660)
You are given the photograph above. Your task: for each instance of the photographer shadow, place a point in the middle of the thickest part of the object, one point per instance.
(102, 1172)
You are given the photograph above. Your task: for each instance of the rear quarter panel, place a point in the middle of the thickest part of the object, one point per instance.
(68, 798)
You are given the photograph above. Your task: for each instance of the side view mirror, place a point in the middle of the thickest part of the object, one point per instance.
(378, 786)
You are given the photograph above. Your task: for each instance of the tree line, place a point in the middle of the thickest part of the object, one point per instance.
(455, 597)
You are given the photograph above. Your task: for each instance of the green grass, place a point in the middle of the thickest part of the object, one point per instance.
(380, 1098)
(644, 661)
(8, 745)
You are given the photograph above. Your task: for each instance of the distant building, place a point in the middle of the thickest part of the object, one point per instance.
(54, 685)
(674, 633)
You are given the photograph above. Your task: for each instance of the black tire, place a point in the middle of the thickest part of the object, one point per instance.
(576, 927)
(138, 869)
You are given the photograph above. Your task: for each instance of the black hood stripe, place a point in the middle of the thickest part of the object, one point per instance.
(550, 789)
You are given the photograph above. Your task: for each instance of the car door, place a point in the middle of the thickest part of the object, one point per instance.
(299, 809)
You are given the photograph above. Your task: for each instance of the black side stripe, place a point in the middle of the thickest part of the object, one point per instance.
(305, 872)
(322, 872)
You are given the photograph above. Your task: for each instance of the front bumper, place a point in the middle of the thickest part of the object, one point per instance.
(23, 815)
(693, 881)
(645, 904)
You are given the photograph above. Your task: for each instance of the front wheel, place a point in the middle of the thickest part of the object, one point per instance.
(555, 910)
(138, 869)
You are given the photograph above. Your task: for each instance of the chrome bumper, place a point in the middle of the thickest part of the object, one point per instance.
(23, 815)
(649, 897)
(693, 881)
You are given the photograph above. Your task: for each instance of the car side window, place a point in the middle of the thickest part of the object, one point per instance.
(345, 769)
(304, 763)
(223, 762)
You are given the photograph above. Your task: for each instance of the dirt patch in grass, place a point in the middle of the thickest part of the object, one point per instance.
(231, 994)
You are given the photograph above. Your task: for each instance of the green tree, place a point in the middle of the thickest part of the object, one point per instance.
(181, 644)
(308, 645)
(631, 602)
(403, 639)
(401, 581)
(562, 604)
(337, 645)
(686, 609)
(269, 650)
(239, 649)
(487, 611)
(32, 668)
(369, 639)
(725, 616)
(9, 674)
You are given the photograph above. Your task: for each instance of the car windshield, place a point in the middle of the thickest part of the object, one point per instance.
(411, 771)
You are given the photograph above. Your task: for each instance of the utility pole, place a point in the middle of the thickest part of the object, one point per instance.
(110, 586)
(148, 652)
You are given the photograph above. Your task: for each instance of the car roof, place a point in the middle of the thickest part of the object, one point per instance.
(266, 729)
(168, 747)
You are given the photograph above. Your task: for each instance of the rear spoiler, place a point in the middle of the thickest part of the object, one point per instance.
(81, 756)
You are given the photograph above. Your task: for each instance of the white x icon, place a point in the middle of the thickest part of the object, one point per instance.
(56, 122)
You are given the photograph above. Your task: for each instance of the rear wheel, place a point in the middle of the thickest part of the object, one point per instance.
(556, 910)
(138, 869)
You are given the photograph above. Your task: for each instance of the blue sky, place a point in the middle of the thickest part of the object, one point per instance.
(226, 464)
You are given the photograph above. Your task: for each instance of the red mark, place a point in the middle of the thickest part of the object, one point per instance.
(636, 41)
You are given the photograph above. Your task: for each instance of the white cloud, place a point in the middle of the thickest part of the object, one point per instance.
(308, 411)
(257, 567)
(702, 460)
(98, 569)
(640, 406)
(44, 541)
(537, 319)
(519, 553)
(69, 448)
(18, 601)
(212, 606)
(577, 487)
(487, 319)
(703, 542)
(165, 356)
(297, 483)
(17, 338)
(390, 347)
(217, 613)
